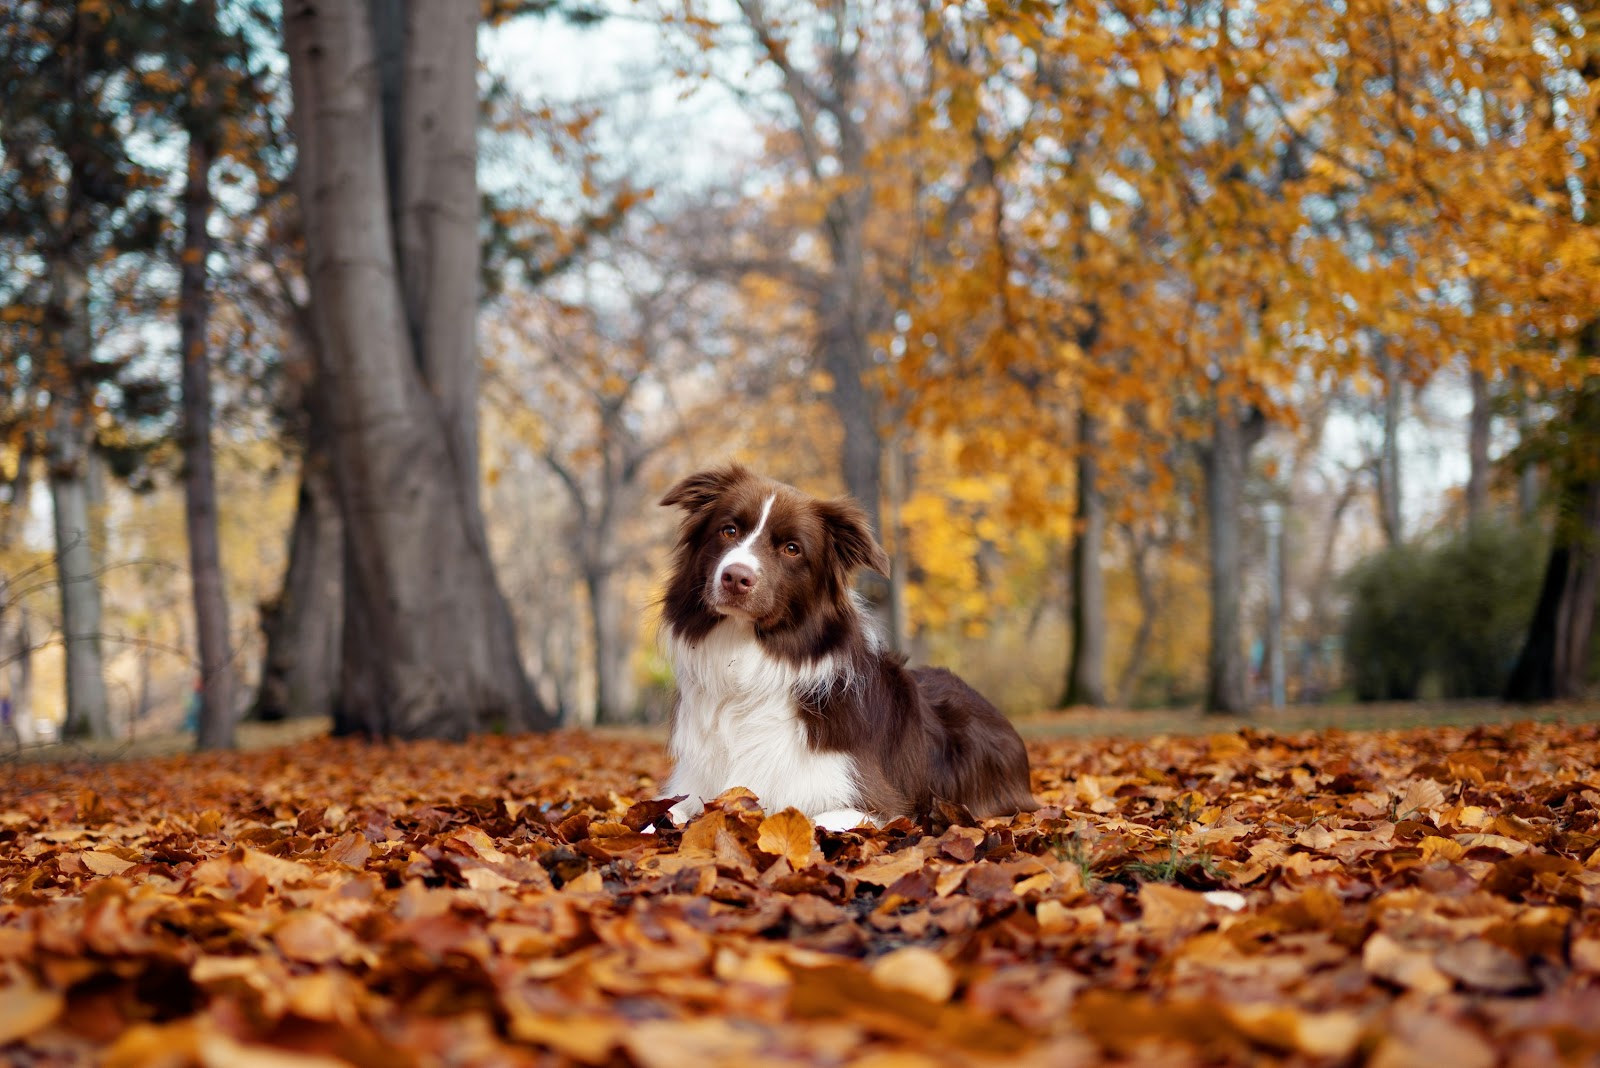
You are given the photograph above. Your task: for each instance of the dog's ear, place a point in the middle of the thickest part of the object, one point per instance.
(697, 491)
(853, 543)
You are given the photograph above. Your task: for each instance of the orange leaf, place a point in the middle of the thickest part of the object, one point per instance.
(789, 834)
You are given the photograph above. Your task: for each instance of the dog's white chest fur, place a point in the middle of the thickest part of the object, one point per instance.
(738, 724)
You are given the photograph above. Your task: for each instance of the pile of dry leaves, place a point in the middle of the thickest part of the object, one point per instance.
(1329, 898)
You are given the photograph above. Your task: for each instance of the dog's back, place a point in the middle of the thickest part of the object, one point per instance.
(981, 762)
(783, 686)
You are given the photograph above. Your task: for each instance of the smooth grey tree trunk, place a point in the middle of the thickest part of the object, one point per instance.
(429, 644)
(1389, 512)
(304, 624)
(19, 653)
(1144, 587)
(1479, 424)
(16, 642)
(67, 460)
(845, 358)
(1086, 668)
(896, 488)
(207, 584)
(1226, 459)
(613, 695)
(1527, 470)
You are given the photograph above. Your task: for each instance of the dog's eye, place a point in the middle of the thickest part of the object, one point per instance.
(730, 532)
(791, 549)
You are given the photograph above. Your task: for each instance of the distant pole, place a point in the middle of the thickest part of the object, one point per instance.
(1272, 516)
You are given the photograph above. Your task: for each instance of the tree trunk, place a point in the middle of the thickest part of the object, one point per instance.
(67, 445)
(1527, 470)
(1554, 662)
(207, 584)
(141, 697)
(16, 649)
(1086, 669)
(845, 358)
(613, 695)
(1478, 427)
(1389, 455)
(894, 541)
(87, 711)
(1225, 465)
(1144, 589)
(429, 645)
(1273, 651)
(304, 625)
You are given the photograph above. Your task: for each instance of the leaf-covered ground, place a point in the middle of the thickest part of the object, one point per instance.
(1388, 898)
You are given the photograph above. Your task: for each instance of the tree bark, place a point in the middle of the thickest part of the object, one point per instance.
(1478, 428)
(845, 358)
(1145, 592)
(20, 661)
(613, 696)
(67, 459)
(429, 644)
(1226, 460)
(436, 226)
(1527, 470)
(207, 584)
(1389, 454)
(16, 643)
(1086, 668)
(304, 624)
(893, 538)
(1554, 662)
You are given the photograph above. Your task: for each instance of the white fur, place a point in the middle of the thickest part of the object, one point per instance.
(738, 723)
(741, 554)
(842, 819)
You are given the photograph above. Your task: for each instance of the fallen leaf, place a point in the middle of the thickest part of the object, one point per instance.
(916, 970)
(1413, 969)
(104, 863)
(1483, 965)
(311, 937)
(789, 834)
(25, 1008)
(1288, 1029)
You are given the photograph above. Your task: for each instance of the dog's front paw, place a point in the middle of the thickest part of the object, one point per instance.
(686, 810)
(842, 819)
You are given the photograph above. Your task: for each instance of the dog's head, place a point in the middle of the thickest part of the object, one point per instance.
(759, 550)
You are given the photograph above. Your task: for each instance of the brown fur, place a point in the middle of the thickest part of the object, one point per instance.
(917, 736)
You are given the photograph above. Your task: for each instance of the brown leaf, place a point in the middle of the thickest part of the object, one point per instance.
(915, 970)
(1416, 1038)
(311, 937)
(1482, 965)
(789, 834)
(700, 837)
(587, 1039)
(26, 1008)
(1288, 1029)
(1413, 969)
(102, 863)
(351, 850)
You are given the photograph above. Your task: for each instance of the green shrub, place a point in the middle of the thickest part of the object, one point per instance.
(1451, 613)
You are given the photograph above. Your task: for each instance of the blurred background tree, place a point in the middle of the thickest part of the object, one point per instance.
(1074, 298)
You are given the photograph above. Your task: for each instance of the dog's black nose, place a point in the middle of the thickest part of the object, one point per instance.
(738, 579)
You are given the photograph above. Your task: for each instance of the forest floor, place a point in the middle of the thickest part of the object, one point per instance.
(1191, 892)
(1072, 723)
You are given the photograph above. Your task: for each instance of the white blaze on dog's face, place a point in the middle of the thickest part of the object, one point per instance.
(738, 573)
(762, 551)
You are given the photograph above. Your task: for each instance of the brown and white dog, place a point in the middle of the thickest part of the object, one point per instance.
(784, 688)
